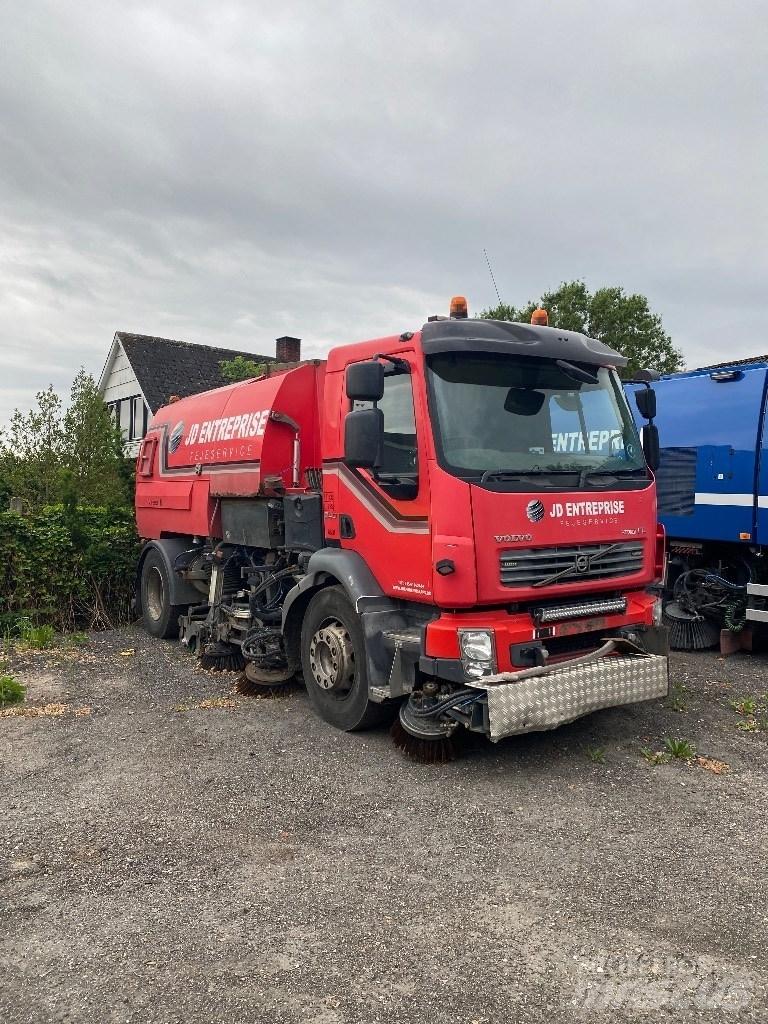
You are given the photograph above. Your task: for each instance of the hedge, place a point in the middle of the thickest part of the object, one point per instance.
(70, 566)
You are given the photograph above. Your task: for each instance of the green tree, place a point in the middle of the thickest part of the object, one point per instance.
(32, 451)
(625, 322)
(240, 368)
(93, 447)
(48, 456)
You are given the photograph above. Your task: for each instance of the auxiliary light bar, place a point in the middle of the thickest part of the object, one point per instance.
(582, 610)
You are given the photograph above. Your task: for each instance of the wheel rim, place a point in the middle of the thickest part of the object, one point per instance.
(332, 658)
(155, 593)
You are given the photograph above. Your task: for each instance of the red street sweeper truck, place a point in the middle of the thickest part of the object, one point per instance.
(454, 527)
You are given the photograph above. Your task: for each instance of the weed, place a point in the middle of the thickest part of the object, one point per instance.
(655, 756)
(596, 754)
(75, 639)
(675, 701)
(37, 637)
(11, 691)
(681, 749)
(746, 707)
(759, 724)
(748, 725)
(753, 711)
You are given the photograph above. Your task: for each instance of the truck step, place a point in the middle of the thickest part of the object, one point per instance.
(403, 638)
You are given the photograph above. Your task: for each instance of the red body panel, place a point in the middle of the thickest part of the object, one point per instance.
(442, 639)
(224, 443)
(570, 518)
(393, 536)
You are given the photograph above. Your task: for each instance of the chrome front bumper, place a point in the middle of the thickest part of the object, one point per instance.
(537, 700)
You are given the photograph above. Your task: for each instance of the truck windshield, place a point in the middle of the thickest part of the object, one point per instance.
(497, 415)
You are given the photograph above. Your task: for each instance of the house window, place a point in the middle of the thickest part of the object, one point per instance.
(130, 415)
(137, 426)
(125, 418)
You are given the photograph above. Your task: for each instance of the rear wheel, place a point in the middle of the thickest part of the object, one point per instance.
(333, 663)
(161, 618)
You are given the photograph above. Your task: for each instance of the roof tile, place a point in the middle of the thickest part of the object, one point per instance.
(166, 367)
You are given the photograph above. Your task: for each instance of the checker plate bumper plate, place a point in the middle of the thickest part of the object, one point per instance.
(545, 702)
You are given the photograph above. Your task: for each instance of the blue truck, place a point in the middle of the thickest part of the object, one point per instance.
(712, 485)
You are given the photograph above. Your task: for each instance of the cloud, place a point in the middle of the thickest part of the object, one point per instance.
(237, 171)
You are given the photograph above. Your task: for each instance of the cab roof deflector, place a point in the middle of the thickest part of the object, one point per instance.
(499, 336)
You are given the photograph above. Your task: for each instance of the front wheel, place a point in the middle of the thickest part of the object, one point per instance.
(334, 665)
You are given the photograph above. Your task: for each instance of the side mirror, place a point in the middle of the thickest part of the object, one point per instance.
(365, 381)
(363, 436)
(646, 402)
(651, 445)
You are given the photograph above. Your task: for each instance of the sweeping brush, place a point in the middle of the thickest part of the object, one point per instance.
(257, 682)
(689, 631)
(426, 750)
(221, 658)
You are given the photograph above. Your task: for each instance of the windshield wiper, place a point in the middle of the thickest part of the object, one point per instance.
(515, 474)
(587, 472)
(576, 372)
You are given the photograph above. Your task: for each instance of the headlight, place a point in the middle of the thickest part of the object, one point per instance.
(478, 652)
(476, 644)
(477, 669)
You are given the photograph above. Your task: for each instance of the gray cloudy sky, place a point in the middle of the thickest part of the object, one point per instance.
(228, 172)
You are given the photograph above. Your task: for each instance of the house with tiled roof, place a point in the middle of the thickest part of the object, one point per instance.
(143, 373)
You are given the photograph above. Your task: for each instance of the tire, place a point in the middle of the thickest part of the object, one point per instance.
(160, 617)
(331, 625)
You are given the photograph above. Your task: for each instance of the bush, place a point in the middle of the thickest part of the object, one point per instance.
(68, 566)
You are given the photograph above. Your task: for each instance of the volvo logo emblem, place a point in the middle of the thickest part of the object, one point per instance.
(174, 440)
(581, 564)
(535, 511)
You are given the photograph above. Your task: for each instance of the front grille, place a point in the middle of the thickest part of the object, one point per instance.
(530, 567)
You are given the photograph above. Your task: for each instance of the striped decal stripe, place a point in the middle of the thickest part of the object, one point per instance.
(381, 511)
(743, 500)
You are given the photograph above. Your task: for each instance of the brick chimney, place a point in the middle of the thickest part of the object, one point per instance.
(288, 350)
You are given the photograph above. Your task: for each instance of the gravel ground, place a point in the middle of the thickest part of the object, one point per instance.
(170, 852)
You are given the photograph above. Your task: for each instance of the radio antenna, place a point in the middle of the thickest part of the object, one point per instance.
(490, 271)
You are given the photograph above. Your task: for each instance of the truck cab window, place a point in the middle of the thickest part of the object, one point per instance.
(397, 471)
(516, 415)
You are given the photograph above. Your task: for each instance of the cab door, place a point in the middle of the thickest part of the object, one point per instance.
(383, 513)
